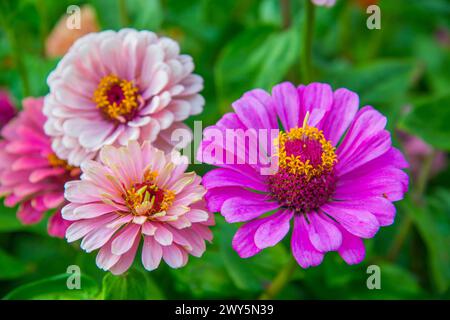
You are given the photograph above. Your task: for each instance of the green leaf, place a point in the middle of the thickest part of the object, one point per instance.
(396, 283)
(10, 267)
(433, 224)
(429, 120)
(376, 83)
(38, 70)
(134, 284)
(55, 288)
(249, 274)
(8, 220)
(257, 58)
(145, 14)
(239, 270)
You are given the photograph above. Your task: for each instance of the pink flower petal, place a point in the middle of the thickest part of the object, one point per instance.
(243, 209)
(124, 239)
(174, 256)
(302, 249)
(324, 235)
(273, 230)
(287, 104)
(151, 254)
(352, 249)
(361, 223)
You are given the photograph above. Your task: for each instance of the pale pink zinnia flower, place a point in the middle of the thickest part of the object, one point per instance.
(417, 151)
(112, 87)
(31, 175)
(138, 192)
(324, 3)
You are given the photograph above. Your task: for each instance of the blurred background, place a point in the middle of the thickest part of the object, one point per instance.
(403, 70)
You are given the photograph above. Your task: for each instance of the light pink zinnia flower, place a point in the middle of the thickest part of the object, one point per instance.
(112, 87)
(30, 173)
(138, 192)
(337, 172)
(417, 151)
(324, 3)
(61, 37)
(7, 110)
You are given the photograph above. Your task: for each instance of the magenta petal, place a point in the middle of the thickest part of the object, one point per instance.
(352, 249)
(244, 239)
(287, 104)
(27, 214)
(216, 197)
(229, 178)
(324, 235)
(254, 114)
(273, 230)
(57, 226)
(315, 98)
(388, 182)
(380, 207)
(338, 118)
(366, 140)
(361, 223)
(240, 209)
(302, 249)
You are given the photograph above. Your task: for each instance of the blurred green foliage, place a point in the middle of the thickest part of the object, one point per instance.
(238, 45)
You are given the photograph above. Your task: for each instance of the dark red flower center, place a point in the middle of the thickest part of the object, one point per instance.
(305, 179)
(118, 99)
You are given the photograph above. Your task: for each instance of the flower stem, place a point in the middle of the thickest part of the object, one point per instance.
(12, 36)
(280, 280)
(286, 13)
(417, 198)
(43, 23)
(308, 32)
(124, 19)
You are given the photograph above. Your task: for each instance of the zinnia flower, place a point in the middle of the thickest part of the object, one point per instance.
(337, 173)
(324, 3)
(138, 192)
(417, 150)
(112, 87)
(31, 175)
(7, 110)
(62, 37)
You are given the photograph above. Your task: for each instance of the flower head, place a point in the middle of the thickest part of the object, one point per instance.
(138, 192)
(417, 151)
(324, 3)
(7, 110)
(332, 169)
(61, 37)
(112, 87)
(31, 175)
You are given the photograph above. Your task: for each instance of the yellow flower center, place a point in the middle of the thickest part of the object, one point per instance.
(147, 199)
(305, 151)
(56, 162)
(118, 99)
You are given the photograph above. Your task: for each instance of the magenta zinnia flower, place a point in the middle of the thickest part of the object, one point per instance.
(112, 87)
(31, 175)
(337, 172)
(7, 110)
(138, 192)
